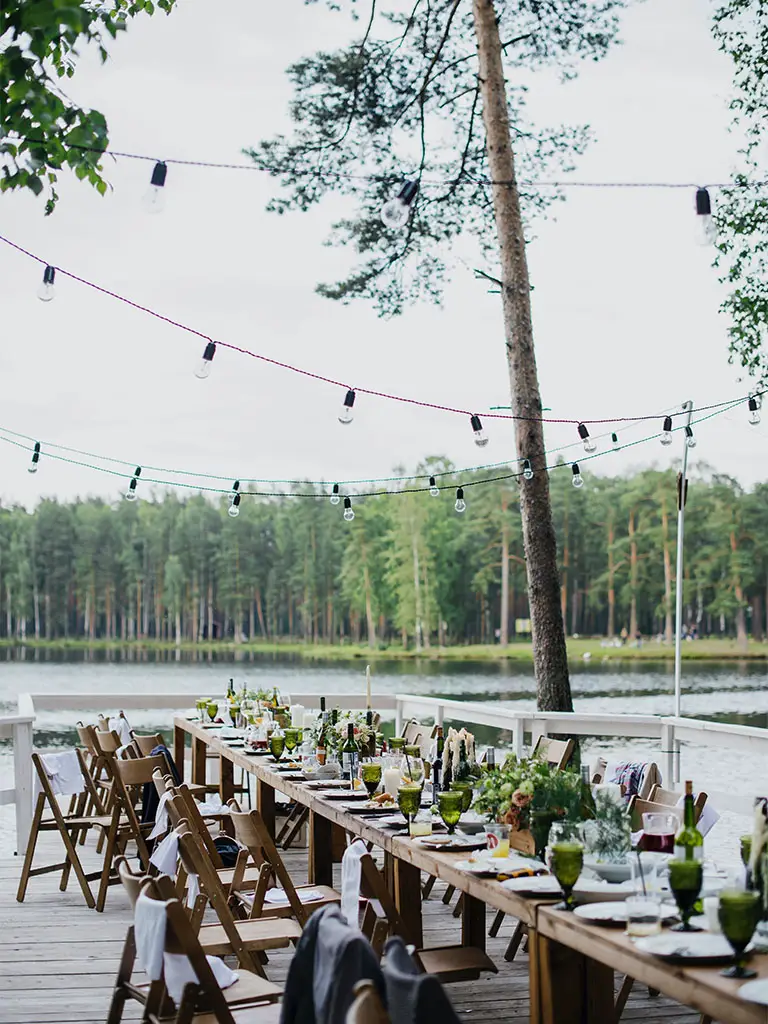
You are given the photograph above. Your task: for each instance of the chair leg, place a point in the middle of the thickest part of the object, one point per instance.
(457, 910)
(623, 996)
(493, 931)
(520, 933)
(34, 831)
(124, 973)
(109, 855)
(428, 886)
(72, 856)
(448, 894)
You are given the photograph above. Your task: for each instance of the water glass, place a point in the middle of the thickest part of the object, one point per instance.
(497, 838)
(567, 862)
(685, 882)
(450, 803)
(738, 914)
(412, 769)
(277, 745)
(643, 915)
(370, 774)
(409, 801)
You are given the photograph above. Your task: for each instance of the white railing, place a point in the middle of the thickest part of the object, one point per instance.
(667, 732)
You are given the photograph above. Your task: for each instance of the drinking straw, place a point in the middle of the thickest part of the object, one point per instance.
(642, 876)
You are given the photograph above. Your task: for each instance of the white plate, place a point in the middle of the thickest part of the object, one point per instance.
(615, 913)
(483, 868)
(594, 890)
(537, 885)
(755, 991)
(687, 946)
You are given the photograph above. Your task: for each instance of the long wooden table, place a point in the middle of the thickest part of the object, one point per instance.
(571, 963)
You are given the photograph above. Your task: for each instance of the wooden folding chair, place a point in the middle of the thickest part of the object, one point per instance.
(252, 833)
(69, 826)
(555, 752)
(670, 798)
(637, 808)
(366, 1008)
(205, 997)
(244, 939)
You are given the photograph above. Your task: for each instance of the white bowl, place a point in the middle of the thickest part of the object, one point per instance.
(609, 871)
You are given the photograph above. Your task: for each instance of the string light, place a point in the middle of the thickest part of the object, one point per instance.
(346, 415)
(32, 468)
(590, 445)
(154, 197)
(434, 490)
(527, 471)
(130, 494)
(577, 479)
(234, 503)
(690, 440)
(46, 291)
(349, 512)
(666, 432)
(335, 499)
(460, 505)
(481, 438)
(706, 229)
(754, 411)
(204, 369)
(395, 212)
(615, 440)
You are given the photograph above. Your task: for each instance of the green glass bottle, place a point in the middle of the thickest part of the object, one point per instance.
(587, 799)
(231, 690)
(689, 842)
(350, 755)
(462, 772)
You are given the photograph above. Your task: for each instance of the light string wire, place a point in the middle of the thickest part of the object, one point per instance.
(362, 494)
(330, 380)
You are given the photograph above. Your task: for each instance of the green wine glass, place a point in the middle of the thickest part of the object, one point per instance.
(738, 913)
(567, 860)
(370, 773)
(745, 849)
(397, 744)
(450, 804)
(685, 883)
(466, 789)
(409, 801)
(291, 739)
(277, 745)
(212, 707)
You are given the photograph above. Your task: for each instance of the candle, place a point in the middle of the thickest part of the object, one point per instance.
(308, 719)
(297, 715)
(368, 685)
(391, 781)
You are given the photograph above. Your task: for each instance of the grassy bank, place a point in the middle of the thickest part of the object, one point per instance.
(583, 650)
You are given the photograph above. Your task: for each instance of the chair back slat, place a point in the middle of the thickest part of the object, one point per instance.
(251, 831)
(138, 772)
(555, 752)
(146, 744)
(187, 808)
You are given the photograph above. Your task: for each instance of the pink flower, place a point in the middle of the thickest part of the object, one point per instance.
(521, 799)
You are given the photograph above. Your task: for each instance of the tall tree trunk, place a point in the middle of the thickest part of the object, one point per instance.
(210, 610)
(668, 628)
(566, 566)
(757, 618)
(504, 615)
(36, 605)
(416, 591)
(611, 584)
(740, 617)
(260, 614)
(178, 628)
(47, 606)
(369, 607)
(8, 614)
(550, 658)
(632, 576)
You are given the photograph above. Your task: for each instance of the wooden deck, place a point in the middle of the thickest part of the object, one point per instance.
(58, 959)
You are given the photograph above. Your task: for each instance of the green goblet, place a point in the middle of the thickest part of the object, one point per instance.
(745, 849)
(212, 707)
(409, 801)
(450, 804)
(277, 745)
(685, 883)
(466, 789)
(738, 913)
(370, 773)
(567, 860)
(397, 744)
(291, 739)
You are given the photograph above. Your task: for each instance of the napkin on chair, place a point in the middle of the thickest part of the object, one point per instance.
(64, 773)
(166, 854)
(350, 881)
(161, 817)
(121, 727)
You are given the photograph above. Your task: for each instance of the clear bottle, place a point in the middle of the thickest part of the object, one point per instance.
(689, 842)
(321, 753)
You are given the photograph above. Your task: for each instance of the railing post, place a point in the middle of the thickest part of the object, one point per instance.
(439, 714)
(22, 782)
(668, 752)
(398, 717)
(518, 736)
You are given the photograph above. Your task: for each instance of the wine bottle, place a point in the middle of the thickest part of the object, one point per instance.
(334, 716)
(321, 752)
(689, 842)
(437, 764)
(462, 769)
(350, 756)
(490, 759)
(322, 708)
(371, 751)
(231, 690)
(587, 798)
(276, 698)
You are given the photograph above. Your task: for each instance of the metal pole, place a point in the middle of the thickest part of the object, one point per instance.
(681, 495)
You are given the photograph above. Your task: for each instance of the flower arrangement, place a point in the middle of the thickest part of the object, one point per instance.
(452, 753)
(336, 734)
(523, 786)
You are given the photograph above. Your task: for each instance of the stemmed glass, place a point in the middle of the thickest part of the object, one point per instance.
(212, 707)
(450, 804)
(412, 769)
(738, 913)
(685, 883)
(566, 862)
(291, 739)
(409, 801)
(465, 788)
(277, 745)
(370, 774)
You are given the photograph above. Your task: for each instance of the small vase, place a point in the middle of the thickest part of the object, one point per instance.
(540, 824)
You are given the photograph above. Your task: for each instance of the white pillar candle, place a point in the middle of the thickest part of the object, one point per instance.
(391, 780)
(297, 715)
(308, 719)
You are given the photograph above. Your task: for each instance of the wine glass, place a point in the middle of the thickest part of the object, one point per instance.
(745, 849)
(409, 801)
(466, 789)
(412, 769)
(450, 804)
(291, 739)
(738, 913)
(370, 773)
(685, 883)
(212, 707)
(277, 745)
(566, 862)
(397, 744)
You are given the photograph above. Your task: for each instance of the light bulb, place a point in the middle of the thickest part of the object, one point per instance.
(204, 369)
(690, 440)
(460, 505)
(32, 467)
(395, 212)
(130, 494)
(46, 291)
(346, 415)
(754, 411)
(615, 440)
(527, 471)
(335, 499)
(349, 512)
(234, 506)
(434, 490)
(480, 437)
(578, 479)
(706, 229)
(154, 198)
(666, 432)
(589, 445)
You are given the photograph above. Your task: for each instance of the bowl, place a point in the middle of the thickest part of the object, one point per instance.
(609, 871)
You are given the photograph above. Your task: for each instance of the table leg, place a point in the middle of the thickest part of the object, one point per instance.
(573, 989)
(265, 801)
(226, 779)
(179, 745)
(199, 748)
(534, 979)
(473, 922)
(320, 850)
(408, 900)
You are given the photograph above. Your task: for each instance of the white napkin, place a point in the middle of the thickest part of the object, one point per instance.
(611, 789)
(279, 897)
(350, 881)
(161, 817)
(64, 773)
(180, 972)
(121, 727)
(709, 817)
(193, 889)
(149, 929)
(166, 854)
(212, 805)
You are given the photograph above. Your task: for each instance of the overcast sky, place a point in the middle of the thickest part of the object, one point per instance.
(625, 303)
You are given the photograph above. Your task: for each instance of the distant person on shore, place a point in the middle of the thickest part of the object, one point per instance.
(624, 634)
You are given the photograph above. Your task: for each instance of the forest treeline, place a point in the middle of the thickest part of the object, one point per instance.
(408, 568)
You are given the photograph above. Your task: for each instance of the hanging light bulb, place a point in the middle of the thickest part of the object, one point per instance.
(527, 471)
(706, 229)
(615, 440)
(154, 197)
(666, 432)
(434, 490)
(589, 444)
(690, 440)
(130, 494)
(204, 369)
(346, 415)
(460, 505)
(481, 439)
(46, 291)
(32, 467)
(395, 212)
(349, 512)
(234, 504)
(577, 479)
(754, 411)
(335, 499)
